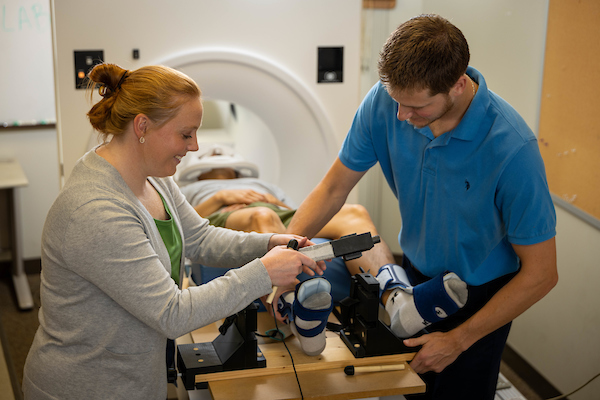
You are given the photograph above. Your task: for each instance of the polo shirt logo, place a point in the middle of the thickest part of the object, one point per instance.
(467, 185)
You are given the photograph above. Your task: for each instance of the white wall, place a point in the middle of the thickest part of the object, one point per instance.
(559, 335)
(36, 151)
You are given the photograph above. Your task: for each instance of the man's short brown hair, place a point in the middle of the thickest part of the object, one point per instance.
(425, 52)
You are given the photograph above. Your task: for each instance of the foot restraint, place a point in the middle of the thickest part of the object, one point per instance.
(392, 276)
(412, 308)
(307, 310)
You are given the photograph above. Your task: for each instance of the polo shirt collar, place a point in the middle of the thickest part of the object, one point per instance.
(467, 129)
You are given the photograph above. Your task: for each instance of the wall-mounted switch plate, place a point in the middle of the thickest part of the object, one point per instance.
(330, 65)
(85, 60)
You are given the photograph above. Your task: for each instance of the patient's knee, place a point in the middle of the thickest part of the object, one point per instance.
(355, 217)
(356, 211)
(264, 219)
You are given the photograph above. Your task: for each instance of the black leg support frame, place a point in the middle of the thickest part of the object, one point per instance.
(363, 332)
(235, 348)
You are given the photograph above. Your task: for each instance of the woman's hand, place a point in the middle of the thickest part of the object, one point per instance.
(284, 239)
(272, 306)
(284, 264)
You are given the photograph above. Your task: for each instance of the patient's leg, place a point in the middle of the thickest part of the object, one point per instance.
(354, 218)
(255, 219)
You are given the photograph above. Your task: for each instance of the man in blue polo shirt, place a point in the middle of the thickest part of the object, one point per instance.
(473, 197)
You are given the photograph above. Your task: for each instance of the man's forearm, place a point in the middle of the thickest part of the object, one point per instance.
(535, 279)
(325, 200)
(314, 212)
(538, 275)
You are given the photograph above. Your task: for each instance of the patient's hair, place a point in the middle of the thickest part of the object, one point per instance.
(156, 91)
(425, 52)
(219, 173)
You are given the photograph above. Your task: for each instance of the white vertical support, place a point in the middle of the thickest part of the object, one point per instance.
(19, 276)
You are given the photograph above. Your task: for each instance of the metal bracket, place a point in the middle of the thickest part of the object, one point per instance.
(235, 348)
(363, 333)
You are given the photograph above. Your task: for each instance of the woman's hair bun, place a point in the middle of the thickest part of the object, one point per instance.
(109, 77)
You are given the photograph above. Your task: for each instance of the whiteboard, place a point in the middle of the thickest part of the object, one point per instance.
(26, 67)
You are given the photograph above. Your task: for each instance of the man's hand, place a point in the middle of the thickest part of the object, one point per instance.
(439, 350)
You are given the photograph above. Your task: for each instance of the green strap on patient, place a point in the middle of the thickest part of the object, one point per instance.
(219, 218)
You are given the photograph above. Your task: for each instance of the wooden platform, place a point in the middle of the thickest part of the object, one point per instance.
(320, 377)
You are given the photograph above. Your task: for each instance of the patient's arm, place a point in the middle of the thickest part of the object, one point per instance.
(274, 200)
(228, 197)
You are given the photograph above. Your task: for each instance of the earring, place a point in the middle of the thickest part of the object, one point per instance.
(142, 140)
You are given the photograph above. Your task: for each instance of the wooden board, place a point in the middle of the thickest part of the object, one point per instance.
(389, 4)
(328, 384)
(320, 377)
(569, 136)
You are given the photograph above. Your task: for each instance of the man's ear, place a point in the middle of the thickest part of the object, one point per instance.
(460, 86)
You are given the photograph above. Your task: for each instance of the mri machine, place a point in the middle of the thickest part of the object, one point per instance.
(257, 63)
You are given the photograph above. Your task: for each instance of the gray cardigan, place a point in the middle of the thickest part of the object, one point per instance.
(108, 303)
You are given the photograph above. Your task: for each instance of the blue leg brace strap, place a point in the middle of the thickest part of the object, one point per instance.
(392, 276)
(303, 291)
(285, 309)
(432, 300)
(311, 315)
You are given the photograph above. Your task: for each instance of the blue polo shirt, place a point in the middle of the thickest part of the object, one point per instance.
(465, 196)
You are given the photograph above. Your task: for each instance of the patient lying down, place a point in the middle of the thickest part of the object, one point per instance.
(241, 201)
(249, 204)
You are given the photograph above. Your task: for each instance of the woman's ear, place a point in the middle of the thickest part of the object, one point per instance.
(140, 125)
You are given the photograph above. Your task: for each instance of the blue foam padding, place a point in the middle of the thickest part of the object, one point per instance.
(431, 296)
(336, 273)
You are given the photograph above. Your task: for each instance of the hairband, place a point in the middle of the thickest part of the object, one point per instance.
(102, 88)
(121, 81)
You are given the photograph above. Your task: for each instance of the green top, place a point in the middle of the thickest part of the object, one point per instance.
(172, 239)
